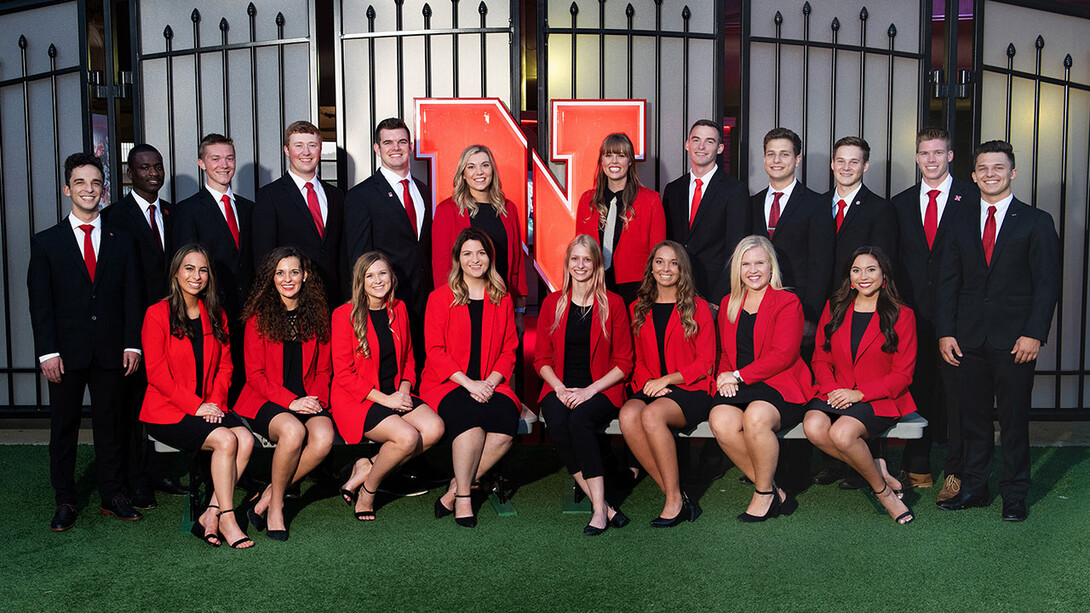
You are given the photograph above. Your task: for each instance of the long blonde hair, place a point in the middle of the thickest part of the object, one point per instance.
(462, 195)
(685, 291)
(597, 283)
(494, 285)
(737, 291)
(618, 143)
(360, 309)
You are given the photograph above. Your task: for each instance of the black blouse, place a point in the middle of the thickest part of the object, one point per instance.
(196, 338)
(489, 222)
(660, 315)
(476, 321)
(293, 359)
(387, 353)
(577, 346)
(860, 321)
(744, 339)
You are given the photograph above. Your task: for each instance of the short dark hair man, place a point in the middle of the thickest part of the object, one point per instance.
(85, 309)
(999, 284)
(706, 211)
(861, 216)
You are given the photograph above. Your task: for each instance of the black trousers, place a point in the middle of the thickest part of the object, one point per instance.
(108, 414)
(988, 375)
(575, 431)
(934, 388)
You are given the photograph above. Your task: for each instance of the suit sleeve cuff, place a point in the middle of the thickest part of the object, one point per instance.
(48, 356)
(136, 351)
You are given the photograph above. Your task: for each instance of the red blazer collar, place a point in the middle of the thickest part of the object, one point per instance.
(870, 335)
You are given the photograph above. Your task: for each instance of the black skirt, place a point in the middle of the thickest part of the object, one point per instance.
(460, 412)
(378, 412)
(695, 405)
(191, 432)
(863, 411)
(268, 411)
(790, 413)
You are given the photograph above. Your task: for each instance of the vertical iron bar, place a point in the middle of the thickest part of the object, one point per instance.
(574, 10)
(862, 67)
(1063, 224)
(251, 13)
(543, 110)
(806, 10)
(371, 76)
(224, 28)
(84, 63)
(454, 44)
(601, 48)
(280, 81)
(482, 9)
(339, 79)
(312, 44)
(427, 50)
(56, 126)
(1040, 45)
(1010, 77)
(892, 34)
(778, 20)
(168, 34)
(195, 17)
(1082, 295)
(515, 42)
(111, 82)
(658, 90)
(686, 14)
(719, 67)
(399, 43)
(26, 133)
(835, 25)
(629, 13)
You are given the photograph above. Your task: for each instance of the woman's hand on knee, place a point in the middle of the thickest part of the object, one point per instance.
(211, 412)
(305, 405)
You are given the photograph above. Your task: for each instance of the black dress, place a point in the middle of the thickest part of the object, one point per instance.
(387, 369)
(695, 404)
(293, 382)
(489, 222)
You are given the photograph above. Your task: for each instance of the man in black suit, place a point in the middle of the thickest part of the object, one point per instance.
(706, 212)
(300, 209)
(925, 213)
(378, 217)
(85, 310)
(798, 222)
(999, 283)
(221, 220)
(146, 217)
(861, 217)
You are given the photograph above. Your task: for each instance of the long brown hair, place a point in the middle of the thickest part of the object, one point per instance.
(264, 303)
(618, 143)
(685, 291)
(360, 308)
(179, 318)
(737, 289)
(889, 301)
(597, 283)
(494, 285)
(464, 198)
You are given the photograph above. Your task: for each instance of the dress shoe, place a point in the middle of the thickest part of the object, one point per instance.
(620, 520)
(852, 482)
(1014, 510)
(827, 476)
(121, 508)
(144, 499)
(169, 485)
(590, 530)
(964, 500)
(951, 486)
(919, 480)
(772, 512)
(64, 518)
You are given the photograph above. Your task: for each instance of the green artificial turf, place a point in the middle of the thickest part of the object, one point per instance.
(834, 554)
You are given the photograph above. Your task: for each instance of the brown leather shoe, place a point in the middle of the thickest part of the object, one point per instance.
(921, 480)
(951, 486)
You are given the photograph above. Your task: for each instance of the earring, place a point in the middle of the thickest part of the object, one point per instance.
(853, 285)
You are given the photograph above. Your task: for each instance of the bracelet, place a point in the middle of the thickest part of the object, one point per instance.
(520, 310)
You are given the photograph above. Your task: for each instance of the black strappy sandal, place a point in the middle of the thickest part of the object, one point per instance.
(198, 530)
(366, 515)
(242, 541)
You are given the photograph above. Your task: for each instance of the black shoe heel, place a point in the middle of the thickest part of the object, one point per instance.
(465, 522)
(772, 512)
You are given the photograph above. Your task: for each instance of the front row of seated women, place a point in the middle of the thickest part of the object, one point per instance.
(304, 375)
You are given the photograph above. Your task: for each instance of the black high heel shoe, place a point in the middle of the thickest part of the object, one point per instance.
(694, 508)
(789, 504)
(441, 509)
(907, 516)
(366, 515)
(465, 522)
(688, 511)
(772, 512)
(198, 530)
(240, 542)
(620, 520)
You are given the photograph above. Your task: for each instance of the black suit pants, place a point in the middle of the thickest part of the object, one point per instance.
(108, 413)
(934, 389)
(575, 431)
(987, 374)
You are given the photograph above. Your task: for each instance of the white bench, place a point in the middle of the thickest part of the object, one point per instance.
(908, 427)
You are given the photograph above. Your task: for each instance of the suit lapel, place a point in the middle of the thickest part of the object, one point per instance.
(857, 204)
(595, 328)
(397, 209)
(209, 346)
(958, 198)
(71, 247)
(760, 325)
(140, 221)
(300, 204)
(680, 213)
(790, 208)
(1010, 226)
(672, 327)
(869, 335)
(561, 348)
(707, 197)
(488, 327)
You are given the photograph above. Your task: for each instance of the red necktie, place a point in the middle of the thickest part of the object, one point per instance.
(931, 217)
(315, 209)
(155, 226)
(410, 208)
(774, 214)
(230, 215)
(989, 235)
(88, 249)
(698, 192)
(840, 206)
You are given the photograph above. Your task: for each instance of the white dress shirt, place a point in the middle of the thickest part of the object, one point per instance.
(940, 200)
(783, 199)
(418, 198)
(144, 205)
(1000, 212)
(301, 183)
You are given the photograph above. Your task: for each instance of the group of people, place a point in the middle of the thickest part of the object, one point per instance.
(310, 312)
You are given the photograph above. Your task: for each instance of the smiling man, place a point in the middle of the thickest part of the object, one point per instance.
(85, 309)
(300, 209)
(999, 283)
(861, 216)
(221, 221)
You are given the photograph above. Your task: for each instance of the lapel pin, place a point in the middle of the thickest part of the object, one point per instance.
(957, 198)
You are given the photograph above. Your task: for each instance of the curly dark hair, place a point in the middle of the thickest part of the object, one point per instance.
(266, 305)
(179, 319)
(889, 301)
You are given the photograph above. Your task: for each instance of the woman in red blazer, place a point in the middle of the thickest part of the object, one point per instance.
(288, 369)
(863, 361)
(763, 383)
(469, 331)
(625, 217)
(478, 202)
(373, 374)
(584, 355)
(674, 335)
(188, 358)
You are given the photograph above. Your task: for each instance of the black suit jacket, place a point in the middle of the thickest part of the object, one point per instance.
(869, 221)
(1013, 297)
(198, 219)
(918, 265)
(721, 221)
(281, 217)
(374, 218)
(87, 323)
(804, 241)
(126, 216)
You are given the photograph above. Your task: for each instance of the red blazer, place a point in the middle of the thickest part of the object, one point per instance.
(646, 228)
(265, 372)
(172, 372)
(447, 338)
(883, 378)
(604, 353)
(692, 357)
(449, 221)
(777, 334)
(354, 376)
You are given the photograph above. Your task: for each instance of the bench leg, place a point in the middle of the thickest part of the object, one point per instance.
(571, 494)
